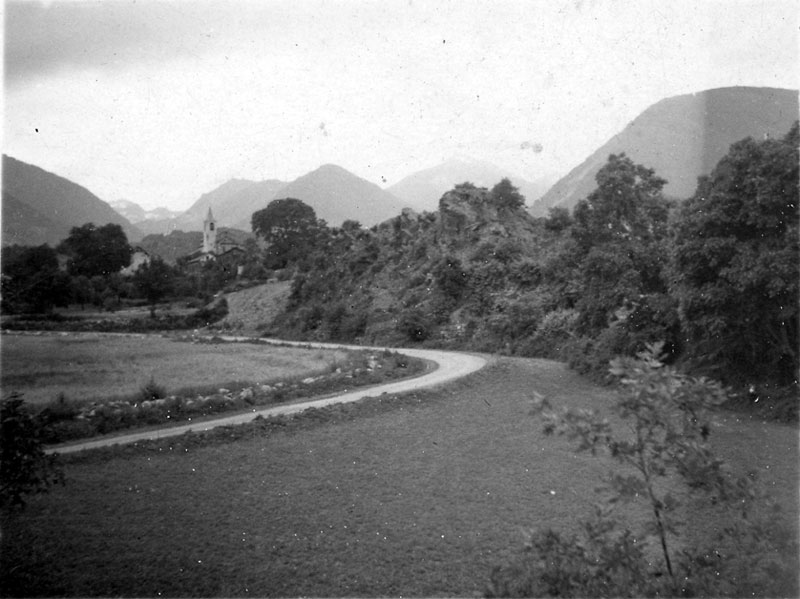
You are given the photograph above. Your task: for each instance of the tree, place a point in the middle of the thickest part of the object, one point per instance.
(290, 227)
(153, 281)
(96, 250)
(82, 290)
(666, 461)
(626, 205)
(505, 195)
(24, 467)
(558, 219)
(32, 280)
(735, 263)
(621, 229)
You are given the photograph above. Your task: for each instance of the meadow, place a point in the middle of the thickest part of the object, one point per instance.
(89, 366)
(420, 494)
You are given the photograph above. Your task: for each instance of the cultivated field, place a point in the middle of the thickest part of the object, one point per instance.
(88, 366)
(416, 496)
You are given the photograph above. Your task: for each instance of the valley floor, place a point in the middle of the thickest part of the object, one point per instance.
(418, 495)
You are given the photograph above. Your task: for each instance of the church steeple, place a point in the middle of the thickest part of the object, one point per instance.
(209, 234)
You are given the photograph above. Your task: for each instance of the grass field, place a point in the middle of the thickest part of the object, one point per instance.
(92, 366)
(420, 496)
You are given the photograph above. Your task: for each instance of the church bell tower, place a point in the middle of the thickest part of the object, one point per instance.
(209, 234)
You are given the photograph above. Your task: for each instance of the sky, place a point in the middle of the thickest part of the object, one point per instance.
(160, 101)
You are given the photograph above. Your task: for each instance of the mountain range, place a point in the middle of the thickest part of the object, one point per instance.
(683, 137)
(422, 190)
(136, 214)
(680, 137)
(41, 207)
(334, 193)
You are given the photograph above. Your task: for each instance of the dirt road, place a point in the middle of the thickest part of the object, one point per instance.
(449, 367)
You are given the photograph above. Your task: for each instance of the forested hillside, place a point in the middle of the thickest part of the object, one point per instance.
(715, 278)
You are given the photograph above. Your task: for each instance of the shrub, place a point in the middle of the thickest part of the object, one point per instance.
(665, 443)
(58, 410)
(591, 356)
(24, 467)
(415, 325)
(552, 336)
(151, 390)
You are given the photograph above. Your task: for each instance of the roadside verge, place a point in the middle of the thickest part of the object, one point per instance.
(450, 366)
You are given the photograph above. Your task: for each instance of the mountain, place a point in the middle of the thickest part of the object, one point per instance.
(422, 190)
(337, 195)
(683, 137)
(43, 207)
(232, 203)
(27, 225)
(240, 207)
(136, 214)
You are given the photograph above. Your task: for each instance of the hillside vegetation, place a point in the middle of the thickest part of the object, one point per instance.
(714, 278)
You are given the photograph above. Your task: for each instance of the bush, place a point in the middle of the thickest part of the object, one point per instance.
(552, 336)
(58, 410)
(25, 469)
(664, 446)
(151, 390)
(415, 325)
(591, 356)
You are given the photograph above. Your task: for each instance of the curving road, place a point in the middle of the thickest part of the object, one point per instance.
(450, 366)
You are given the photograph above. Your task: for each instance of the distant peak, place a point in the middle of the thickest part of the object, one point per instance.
(462, 159)
(331, 167)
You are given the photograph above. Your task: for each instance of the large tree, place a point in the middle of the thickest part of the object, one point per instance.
(96, 250)
(32, 280)
(621, 230)
(289, 227)
(153, 281)
(735, 262)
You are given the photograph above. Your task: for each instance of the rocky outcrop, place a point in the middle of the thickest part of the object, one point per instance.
(470, 214)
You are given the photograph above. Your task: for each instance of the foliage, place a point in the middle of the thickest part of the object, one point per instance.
(558, 219)
(621, 228)
(451, 278)
(665, 441)
(166, 322)
(735, 262)
(31, 280)
(291, 229)
(96, 250)
(415, 325)
(152, 390)
(505, 195)
(627, 205)
(24, 467)
(153, 281)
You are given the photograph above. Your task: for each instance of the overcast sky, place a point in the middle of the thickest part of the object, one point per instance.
(161, 101)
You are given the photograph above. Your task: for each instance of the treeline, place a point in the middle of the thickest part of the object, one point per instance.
(715, 277)
(85, 270)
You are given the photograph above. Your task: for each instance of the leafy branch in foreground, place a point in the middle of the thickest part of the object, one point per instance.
(668, 464)
(24, 467)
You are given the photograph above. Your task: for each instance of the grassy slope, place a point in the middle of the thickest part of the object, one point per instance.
(255, 306)
(86, 366)
(417, 496)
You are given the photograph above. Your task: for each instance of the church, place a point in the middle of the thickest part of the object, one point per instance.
(217, 245)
